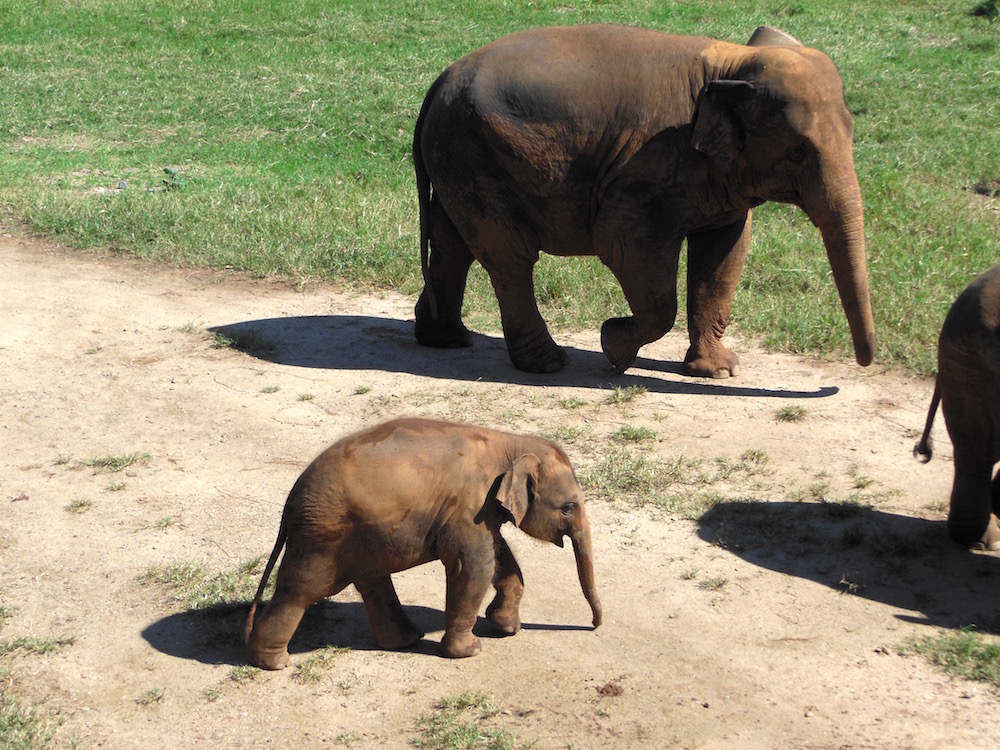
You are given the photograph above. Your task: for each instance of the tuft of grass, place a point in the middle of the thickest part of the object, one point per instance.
(630, 434)
(625, 395)
(712, 584)
(306, 397)
(793, 413)
(193, 584)
(312, 669)
(32, 645)
(270, 389)
(248, 340)
(966, 654)
(79, 506)
(115, 463)
(244, 673)
(361, 390)
(573, 402)
(461, 723)
(151, 696)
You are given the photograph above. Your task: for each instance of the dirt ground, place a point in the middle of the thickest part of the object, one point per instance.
(775, 624)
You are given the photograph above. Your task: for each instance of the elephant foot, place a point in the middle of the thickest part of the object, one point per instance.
(720, 363)
(400, 638)
(441, 333)
(616, 343)
(543, 356)
(272, 660)
(460, 645)
(506, 619)
(988, 542)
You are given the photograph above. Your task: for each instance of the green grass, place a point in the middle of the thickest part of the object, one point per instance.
(966, 654)
(462, 723)
(200, 588)
(275, 138)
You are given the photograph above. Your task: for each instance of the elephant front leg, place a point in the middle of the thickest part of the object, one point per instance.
(503, 611)
(469, 572)
(715, 262)
(649, 281)
(392, 627)
(529, 344)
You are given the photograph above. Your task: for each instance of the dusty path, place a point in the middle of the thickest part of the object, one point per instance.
(768, 625)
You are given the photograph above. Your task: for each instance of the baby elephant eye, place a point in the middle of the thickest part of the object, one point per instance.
(798, 153)
(568, 508)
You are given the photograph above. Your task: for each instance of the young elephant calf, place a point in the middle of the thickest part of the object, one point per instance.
(968, 387)
(402, 494)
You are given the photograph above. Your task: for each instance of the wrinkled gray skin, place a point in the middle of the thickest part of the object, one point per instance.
(404, 493)
(968, 389)
(623, 143)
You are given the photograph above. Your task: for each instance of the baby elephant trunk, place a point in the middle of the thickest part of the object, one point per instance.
(585, 569)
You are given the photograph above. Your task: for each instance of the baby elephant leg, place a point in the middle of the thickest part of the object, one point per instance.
(469, 573)
(393, 629)
(509, 583)
(302, 581)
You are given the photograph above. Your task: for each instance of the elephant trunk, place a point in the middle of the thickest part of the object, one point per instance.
(585, 569)
(838, 213)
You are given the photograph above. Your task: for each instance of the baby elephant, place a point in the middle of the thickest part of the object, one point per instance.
(402, 494)
(968, 387)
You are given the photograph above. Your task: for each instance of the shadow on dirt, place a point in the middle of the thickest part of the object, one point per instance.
(903, 562)
(358, 342)
(214, 635)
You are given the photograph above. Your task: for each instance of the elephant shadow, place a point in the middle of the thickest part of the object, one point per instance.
(214, 635)
(361, 342)
(903, 562)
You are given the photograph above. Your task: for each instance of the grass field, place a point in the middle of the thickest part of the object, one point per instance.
(275, 138)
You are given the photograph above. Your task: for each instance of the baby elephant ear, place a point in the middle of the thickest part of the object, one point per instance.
(514, 489)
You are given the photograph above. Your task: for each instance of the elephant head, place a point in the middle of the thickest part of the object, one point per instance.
(544, 500)
(778, 126)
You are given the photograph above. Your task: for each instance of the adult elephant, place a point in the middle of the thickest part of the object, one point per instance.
(622, 143)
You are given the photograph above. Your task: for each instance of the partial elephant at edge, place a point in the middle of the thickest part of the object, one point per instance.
(968, 389)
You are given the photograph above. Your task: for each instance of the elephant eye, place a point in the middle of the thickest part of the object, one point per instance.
(568, 508)
(798, 153)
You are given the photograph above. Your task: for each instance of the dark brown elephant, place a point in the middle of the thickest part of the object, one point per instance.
(407, 492)
(968, 389)
(622, 143)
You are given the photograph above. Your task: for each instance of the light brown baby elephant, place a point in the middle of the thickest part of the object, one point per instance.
(402, 494)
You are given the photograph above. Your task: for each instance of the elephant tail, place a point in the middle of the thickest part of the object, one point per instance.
(924, 450)
(278, 544)
(424, 201)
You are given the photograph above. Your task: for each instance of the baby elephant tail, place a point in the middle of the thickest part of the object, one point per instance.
(278, 544)
(924, 450)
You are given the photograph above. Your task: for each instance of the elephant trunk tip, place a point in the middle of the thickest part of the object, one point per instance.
(864, 352)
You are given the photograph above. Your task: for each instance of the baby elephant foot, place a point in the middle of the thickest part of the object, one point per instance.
(507, 619)
(460, 645)
(270, 660)
(719, 363)
(617, 344)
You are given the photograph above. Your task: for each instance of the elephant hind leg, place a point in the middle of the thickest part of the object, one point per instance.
(447, 273)
(393, 629)
(970, 521)
(301, 582)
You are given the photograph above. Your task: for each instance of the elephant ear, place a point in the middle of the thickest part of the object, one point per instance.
(515, 488)
(768, 36)
(719, 129)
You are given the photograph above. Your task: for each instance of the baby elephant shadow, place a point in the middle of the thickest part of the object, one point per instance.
(214, 635)
(904, 562)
